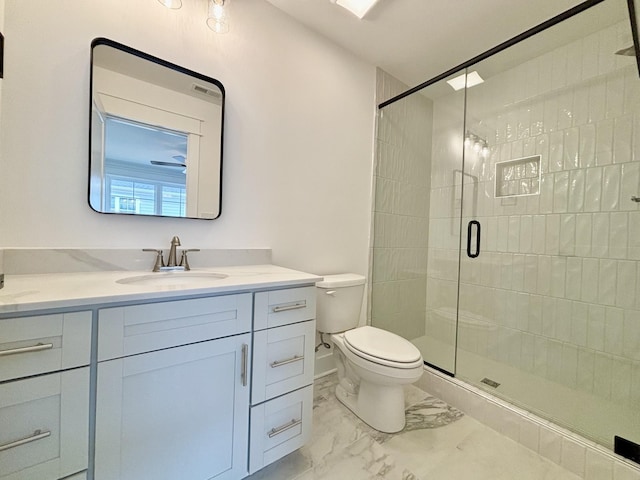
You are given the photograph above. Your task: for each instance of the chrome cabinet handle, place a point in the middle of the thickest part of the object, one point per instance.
(34, 348)
(284, 308)
(244, 363)
(280, 363)
(278, 430)
(37, 435)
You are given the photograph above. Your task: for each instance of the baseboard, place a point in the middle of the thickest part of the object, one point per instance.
(324, 364)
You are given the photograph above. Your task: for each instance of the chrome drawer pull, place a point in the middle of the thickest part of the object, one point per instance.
(244, 364)
(34, 348)
(284, 308)
(276, 431)
(37, 435)
(286, 362)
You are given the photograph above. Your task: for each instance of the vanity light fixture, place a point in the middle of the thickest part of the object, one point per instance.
(477, 143)
(218, 19)
(358, 7)
(217, 16)
(469, 80)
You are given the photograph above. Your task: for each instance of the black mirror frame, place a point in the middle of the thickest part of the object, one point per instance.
(1, 55)
(111, 43)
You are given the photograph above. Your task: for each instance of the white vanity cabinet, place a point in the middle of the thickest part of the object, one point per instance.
(172, 396)
(44, 397)
(101, 380)
(283, 362)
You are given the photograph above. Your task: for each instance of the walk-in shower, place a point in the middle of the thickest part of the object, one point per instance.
(506, 239)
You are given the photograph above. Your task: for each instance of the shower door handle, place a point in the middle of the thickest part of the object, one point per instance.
(473, 223)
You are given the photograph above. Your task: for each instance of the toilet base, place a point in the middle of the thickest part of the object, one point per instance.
(379, 406)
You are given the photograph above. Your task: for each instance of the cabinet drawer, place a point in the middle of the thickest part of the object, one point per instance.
(142, 328)
(279, 427)
(45, 426)
(283, 360)
(44, 343)
(282, 307)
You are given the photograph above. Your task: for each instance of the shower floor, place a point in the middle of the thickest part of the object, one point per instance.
(588, 415)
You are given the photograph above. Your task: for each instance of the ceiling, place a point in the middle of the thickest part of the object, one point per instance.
(415, 40)
(139, 65)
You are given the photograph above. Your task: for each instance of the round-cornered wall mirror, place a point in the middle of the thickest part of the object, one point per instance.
(155, 136)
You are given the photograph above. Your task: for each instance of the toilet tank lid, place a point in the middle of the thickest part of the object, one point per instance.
(341, 280)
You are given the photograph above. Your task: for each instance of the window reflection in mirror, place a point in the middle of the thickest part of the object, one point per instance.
(156, 136)
(146, 169)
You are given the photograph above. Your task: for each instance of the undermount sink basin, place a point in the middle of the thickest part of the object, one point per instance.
(177, 279)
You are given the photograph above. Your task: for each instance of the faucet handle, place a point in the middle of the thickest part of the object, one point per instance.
(184, 261)
(159, 259)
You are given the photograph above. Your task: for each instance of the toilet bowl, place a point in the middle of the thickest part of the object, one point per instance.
(373, 364)
(370, 384)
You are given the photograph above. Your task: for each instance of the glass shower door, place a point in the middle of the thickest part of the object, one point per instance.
(416, 241)
(548, 309)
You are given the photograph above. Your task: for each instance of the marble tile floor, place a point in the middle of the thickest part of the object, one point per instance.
(438, 443)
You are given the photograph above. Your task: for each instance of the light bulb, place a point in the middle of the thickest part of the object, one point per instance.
(477, 147)
(485, 151)
(218, 19)
(217, 11)
(216, 26)
(467, 141)
(173, 4)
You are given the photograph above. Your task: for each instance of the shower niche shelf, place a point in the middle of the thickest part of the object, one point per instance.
(518, 177)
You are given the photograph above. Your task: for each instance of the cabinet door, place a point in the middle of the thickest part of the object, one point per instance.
(44, 426)
(175, 413)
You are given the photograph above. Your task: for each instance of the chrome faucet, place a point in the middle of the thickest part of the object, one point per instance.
(172, 262)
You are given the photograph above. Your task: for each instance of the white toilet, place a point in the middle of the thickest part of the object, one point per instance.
(373, 364)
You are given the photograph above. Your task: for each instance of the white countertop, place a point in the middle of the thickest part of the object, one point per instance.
(24, 293)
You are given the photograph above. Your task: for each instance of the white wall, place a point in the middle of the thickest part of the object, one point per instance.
(298, 131)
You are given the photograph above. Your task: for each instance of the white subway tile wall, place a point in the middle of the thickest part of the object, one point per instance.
(401, 212)
(557, 285)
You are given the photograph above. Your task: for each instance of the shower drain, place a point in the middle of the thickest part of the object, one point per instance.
(491, 383)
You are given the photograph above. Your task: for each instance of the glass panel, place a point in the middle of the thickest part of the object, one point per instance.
(417, 220)
(549, 310)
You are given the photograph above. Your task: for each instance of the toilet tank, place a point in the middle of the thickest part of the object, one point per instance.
(339, 300)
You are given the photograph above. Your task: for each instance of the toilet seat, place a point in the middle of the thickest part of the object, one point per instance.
(382, 347)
